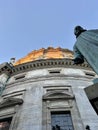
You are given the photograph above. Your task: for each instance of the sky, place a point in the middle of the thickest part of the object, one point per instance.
(27, 25)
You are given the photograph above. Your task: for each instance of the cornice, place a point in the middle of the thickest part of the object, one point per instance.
(6, 68)
(48, 63)
(10, 102)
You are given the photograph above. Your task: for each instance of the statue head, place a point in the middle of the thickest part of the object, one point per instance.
(78, 30)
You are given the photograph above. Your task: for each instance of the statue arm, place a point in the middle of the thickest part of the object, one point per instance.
(78, 57)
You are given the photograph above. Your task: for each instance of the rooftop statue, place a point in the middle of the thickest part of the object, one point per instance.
(86, 47)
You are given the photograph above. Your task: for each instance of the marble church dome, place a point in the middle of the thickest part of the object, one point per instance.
(49, 53)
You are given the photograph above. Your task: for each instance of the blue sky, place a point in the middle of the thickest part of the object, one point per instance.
(27, 25)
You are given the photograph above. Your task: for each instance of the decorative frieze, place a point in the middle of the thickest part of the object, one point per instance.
(48, 63)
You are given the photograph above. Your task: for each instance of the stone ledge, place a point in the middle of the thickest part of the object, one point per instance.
(10, 102)
(48, 63)
(40, 64)
(6, 68)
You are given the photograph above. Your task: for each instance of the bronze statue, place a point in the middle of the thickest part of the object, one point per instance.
(86, 46)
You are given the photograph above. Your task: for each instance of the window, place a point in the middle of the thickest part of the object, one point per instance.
(57, 109)
(89, 74)
(61, 120)
(20, 77)
(5, 123)
(56, 71)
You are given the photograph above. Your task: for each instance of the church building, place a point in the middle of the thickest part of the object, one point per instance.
(44, 90)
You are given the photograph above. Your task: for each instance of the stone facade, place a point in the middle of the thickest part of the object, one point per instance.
(35, 91)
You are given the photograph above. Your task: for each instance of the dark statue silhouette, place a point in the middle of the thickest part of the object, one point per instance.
(86, 47)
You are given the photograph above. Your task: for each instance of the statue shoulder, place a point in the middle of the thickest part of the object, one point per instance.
(93, 31)
(90, 34)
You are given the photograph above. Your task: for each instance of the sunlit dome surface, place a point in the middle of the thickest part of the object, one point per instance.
(49, 53)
